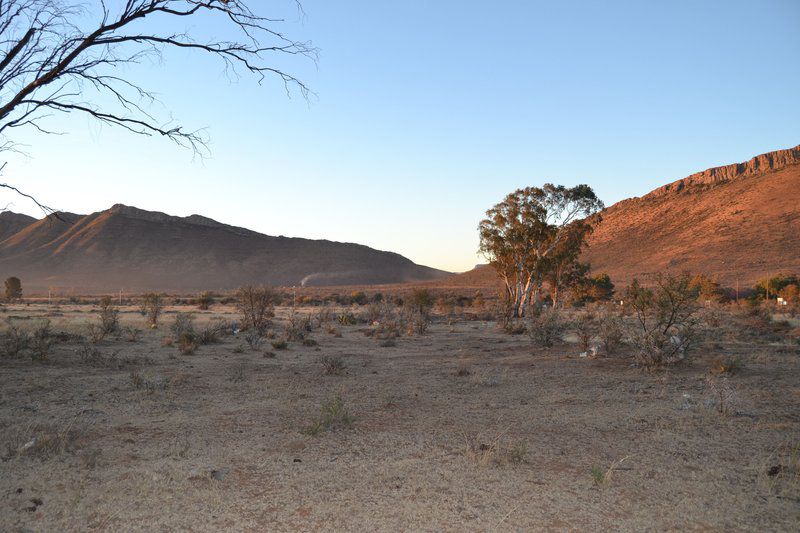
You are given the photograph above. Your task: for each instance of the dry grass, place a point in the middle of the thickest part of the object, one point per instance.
(511, 444)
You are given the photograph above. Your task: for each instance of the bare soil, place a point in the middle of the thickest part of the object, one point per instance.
(463, 428)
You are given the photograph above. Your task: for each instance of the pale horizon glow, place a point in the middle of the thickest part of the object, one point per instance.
(427, 115)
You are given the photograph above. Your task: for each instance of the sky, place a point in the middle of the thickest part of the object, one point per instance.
(425, 114)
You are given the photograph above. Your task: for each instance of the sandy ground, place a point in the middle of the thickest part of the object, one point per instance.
(510, 445)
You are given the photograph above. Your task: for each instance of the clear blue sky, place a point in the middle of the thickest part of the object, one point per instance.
(428, 113)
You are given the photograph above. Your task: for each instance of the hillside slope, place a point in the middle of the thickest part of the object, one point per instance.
(736, 222)
(125, 247)
(739, 221)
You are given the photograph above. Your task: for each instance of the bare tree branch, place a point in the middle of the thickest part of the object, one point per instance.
(65, 56)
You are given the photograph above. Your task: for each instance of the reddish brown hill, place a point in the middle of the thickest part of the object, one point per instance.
(132, 249)
(738, 221)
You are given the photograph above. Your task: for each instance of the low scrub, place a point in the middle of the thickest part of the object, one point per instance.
(495, 451)
(664, 330)
(547, 327)
(332, 366)
(333, 415)
(611, 331)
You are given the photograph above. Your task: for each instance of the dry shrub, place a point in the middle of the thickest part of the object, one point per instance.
(782, 471)
(378, 312)
(149, 384)
(257, 306)
(514, 326)
(665, 326)
(238, 372)
(183, 323)
(205, 300)
(462, 371)
(298, 328)
(347, 319)
(109, 316)
(334, 415)
(43, 441)
(547, 327)
(332, 366)
(727, 365)
(131, 334)
(151, 307)
(213, 331)
(611, 331)
(15, 340)
(416, 321)
(323, 317)
(41, 341)
(187, 343)
(489, 377)
(95, 332)
(91, 356)
(495, 452)
(585, 329)
(720, 395)
(279, 345)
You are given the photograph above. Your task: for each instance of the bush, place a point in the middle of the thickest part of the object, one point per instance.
(333, 415)
(421, 301)
(547, 327)
(416, 321)
(132, 334)
(96, 333)
(585, 329)
(254, 338)
(279, 345)
(109, 316)
(151, 307)
(187, 343)
(41, 341)
(256, 304)
(332, 366)
(665, 327)
(204, 301)
(359, 298)
(182, 325)
(611, 331)
(299, 326)
(15, 341)
(213, 331)
(347, 319)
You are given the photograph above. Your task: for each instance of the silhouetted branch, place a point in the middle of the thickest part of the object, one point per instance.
(59, 56)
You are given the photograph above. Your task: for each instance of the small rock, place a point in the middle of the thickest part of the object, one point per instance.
(219, 475)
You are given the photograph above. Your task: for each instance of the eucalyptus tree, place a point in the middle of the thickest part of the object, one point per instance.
(521, 234)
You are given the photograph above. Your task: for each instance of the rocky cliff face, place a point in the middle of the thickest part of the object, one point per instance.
(760, 164)
(737, 222)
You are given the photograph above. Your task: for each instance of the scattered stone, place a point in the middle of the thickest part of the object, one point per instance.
(219, 475)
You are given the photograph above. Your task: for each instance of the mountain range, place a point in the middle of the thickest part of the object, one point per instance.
(132, 249)
(738, 223)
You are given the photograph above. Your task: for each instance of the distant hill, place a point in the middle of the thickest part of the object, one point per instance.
(132, 249)
(739, 221)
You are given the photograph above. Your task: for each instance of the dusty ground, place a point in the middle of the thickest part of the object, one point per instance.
(509, 446)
